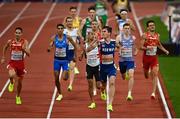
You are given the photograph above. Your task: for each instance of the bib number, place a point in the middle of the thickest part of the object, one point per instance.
(152, 51)
(60, 52)
(126, 52)
(16, 55)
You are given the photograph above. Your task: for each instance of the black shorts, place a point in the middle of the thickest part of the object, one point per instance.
(92, 71)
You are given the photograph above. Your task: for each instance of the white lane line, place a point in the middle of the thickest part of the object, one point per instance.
(15, 19)
(33, 40)
(53, 99)
(159, 85)
(107, 101)
(55, 90)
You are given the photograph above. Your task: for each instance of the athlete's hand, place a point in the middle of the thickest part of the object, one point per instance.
(167, 52)
(48, 50)
(2, 60)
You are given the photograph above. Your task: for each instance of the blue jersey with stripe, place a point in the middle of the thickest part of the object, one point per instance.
(61, 47)
(107, 48)
(126, 53)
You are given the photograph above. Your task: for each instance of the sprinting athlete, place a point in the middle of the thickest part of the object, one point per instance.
(60, 42)
(107, 69)
(18, 48)
(127, 49)
(149, 44)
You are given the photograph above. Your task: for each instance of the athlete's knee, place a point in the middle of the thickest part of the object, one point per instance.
(12, 73)
(65, 76)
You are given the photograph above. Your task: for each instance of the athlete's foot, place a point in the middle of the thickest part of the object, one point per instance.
(59, 98)
(129, 98)
(76, 71)
(94, 92)
(92, 105)
(69, 88)
(153, 96)
(18, 100)
(103, 95)
(110, 108)
(11, 87)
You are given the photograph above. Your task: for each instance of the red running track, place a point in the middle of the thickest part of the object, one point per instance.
(38, 85)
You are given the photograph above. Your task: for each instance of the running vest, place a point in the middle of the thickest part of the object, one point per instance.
(121, 22)
(126, 53)
(107, 49)
(74, 34)
(100, 8)
(76, 22)
(87, 27)
(93, 56)
(61, 47)
(16, 49)
(151, 41)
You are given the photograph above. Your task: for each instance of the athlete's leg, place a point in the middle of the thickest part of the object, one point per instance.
(71, 74)
(57, 82)
(111, 89)
(154, 74)
(12, 77)
(130, 83)
(19, 85)
(90, 89)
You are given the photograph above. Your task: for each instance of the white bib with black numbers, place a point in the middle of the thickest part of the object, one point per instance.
(93, 57)
(16, 55)
(60, 52)
(126, 52)
(151, 52)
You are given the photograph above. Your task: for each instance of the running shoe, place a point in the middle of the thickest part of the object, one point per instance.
(129, 98)
(69, 88)
(153, 96)
(103, 95)
(76, 71)
(11, 87)
(92, 105)
(110, 108)
(18, 100)
(59, 98)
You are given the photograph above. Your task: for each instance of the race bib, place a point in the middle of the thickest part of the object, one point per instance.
(151, 52)
(126, 52)
(16, 55)
(88, 30)
(60, 52)
(92, 59)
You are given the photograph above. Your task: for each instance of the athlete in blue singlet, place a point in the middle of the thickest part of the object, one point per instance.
(60, 43)
(107, 69)
(127, 49)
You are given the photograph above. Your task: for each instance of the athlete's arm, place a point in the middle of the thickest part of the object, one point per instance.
(51, 44)
(131, 25)
(160, 46)
(82, 24)
(135, 46)
(4, 51)
(26, 48)
(92, 45)
(143, 38)
(117, 41)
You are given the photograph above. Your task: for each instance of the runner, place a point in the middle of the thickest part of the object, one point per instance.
(73, 32)
(149, 44)
(127, 49)
(107, 69)
(18, 48)
(92, 66)
(60, 42)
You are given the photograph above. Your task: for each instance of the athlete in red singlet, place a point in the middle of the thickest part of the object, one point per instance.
(18, 47)
(149, 44)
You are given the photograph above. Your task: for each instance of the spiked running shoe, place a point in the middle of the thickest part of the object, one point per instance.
(59, 98)
(92, 105)
(110, 108)
(76, 71)
(69, 88)
(11, 87)
(153, 96)
(129, 98)
(18, 100)
(103, 95)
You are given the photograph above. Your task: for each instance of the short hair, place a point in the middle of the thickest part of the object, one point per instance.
(91, 8)
(108, 28)
(72, 7)
(121, 10)
(60, 25)
(69, 17)
(126, 24)
(19, 28)
(150, 21)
